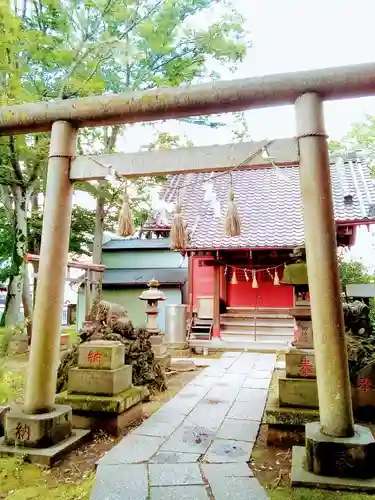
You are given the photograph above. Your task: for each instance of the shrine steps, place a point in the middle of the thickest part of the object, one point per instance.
(246, 344)
(242, 324)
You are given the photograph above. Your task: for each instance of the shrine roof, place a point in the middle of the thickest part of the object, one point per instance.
(136, 244)
(140, 277)
(269, 204)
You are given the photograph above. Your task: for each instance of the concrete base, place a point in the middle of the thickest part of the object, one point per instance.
(99, 382)
(103, 404)
(302, 392)
(300, 477)
(37, 431)
(107, 422)
(164, 361)
(340, 457)
(46, 456)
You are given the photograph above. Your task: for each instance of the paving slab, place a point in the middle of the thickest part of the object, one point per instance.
(246, 411)
(231, 354)
(215, 418)
(175, 474)
(117, 482)
(228, 450)
(173, 457)
(190, 438)
(239, 430)
(237, 488)
(132, 449)
(257, 383)
(179, 493)
(254, 396)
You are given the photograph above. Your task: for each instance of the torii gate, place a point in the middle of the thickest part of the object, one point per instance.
(306, 90)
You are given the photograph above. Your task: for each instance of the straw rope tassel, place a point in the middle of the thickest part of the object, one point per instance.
(178, 234)
(255, 282)
(125, 222)
(232, 224)
(276, 280)
(234, 280)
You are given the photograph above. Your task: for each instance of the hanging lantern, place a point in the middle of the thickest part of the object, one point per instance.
(255, 283)
(232, 225)
(178, 234)
(276, 280)
(234, 278)
(125, 222)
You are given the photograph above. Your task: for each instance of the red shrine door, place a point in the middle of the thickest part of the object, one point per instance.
(267, 295)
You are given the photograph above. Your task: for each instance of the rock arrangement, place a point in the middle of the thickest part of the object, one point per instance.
(112, 323)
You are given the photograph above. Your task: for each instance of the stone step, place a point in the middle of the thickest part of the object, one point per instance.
(259, 323)
(300, 363)
(283, 330)
(300, 392)
(258, 311)
(269, 334)
(246, 344)
(271, 318)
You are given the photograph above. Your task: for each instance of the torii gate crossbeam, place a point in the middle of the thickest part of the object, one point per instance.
(307, 90)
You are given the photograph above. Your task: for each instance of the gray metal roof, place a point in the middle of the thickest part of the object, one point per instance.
(137, 244)
(134, 277)
(360, 290)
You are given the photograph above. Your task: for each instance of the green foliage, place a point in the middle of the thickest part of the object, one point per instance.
(353, 272)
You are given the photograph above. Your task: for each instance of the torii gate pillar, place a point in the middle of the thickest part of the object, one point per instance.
(45, 341)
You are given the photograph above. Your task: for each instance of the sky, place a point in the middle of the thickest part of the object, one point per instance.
(292, 35)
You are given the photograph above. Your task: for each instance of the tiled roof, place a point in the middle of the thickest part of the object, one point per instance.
(269, 205)
(140, 277)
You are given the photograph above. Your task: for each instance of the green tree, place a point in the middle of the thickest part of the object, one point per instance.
(67, 48)
(353, 272)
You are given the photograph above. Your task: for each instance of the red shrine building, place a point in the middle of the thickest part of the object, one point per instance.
(236, 283)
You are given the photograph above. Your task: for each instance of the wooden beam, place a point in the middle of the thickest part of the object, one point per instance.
(165, 103)
(183, 160)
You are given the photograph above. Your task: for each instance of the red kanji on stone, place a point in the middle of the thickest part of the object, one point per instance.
(365, 384)
(306, 367)
(94, 357)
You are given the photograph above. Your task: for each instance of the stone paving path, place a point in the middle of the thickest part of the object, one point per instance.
(196, 447)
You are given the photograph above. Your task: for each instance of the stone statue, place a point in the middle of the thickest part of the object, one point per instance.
(357, 318)
(112, 323)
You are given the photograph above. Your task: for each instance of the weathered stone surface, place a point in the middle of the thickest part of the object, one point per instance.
(3, 411)
(108, 422)
(101, 355)
(300, 476)
(173, 457)
(341, 457)
(256, 383)
(37, 431)
(103, 382)
(239, 430)
(19, 344)
(132, 449)
(300, 363)
(175, 474)
(179, 492)
(104, 404)
(117, 482)
(179, 349)
(157, 339)
(255, 396)
(364, 389)
(46, 456)
(156, 428)
(160, 350)
(303, 337)
(298, 392)
(190, 438)
(227, 450)
(246, 411)
(237, 488)
(235, 469)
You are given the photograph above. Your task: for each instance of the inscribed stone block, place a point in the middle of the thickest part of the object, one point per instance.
(300, 363)
(103, 382)
(303, 336)
(364, 387)
(101, 354)
(37, 431)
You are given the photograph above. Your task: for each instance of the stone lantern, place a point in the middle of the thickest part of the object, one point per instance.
(153, 295)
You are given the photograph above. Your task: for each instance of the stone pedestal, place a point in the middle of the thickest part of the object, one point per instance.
(331, 462)
(65, 342)
(100, 389)
(42, 438)
(160, 350)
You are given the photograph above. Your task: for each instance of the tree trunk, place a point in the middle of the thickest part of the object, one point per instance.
(11, 314)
